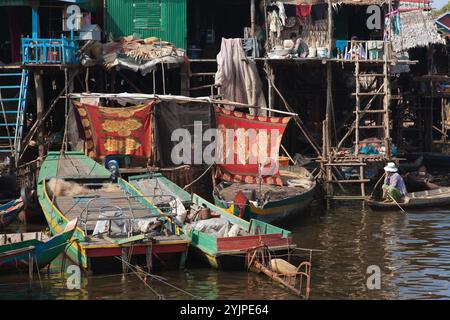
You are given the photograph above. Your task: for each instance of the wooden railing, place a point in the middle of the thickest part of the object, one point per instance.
(360, 50)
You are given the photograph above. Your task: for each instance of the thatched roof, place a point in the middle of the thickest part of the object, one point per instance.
(417, 29)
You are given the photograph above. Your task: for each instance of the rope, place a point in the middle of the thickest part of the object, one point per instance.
(38, 271)
(133, 269)
(201, 176)
(161, 279)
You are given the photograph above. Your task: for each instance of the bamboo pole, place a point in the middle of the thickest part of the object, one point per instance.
(357, 108)
(253, 17)
(299, 122)
(40, 122)
(181, 99)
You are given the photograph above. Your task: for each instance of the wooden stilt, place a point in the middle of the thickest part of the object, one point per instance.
(149, 258)
(39, 89)
(125, 260)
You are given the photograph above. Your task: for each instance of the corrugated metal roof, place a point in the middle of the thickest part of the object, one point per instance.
(122, 19)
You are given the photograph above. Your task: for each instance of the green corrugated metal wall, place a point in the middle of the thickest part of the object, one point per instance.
(10, 3)
(120, 15)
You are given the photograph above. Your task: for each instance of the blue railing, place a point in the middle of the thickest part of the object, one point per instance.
(49, 51)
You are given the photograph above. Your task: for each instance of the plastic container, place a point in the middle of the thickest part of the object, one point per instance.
(322, 52)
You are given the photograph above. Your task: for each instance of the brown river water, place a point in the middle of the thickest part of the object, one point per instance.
(412, 251)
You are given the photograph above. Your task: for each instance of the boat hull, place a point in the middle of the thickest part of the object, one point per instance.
(273, 211)
(10, 212)
(43, 253)
(224, 253)
(91, 256)
(416, 200)
(381, 206)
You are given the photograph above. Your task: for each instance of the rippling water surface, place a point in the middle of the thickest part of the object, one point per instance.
(412, 251)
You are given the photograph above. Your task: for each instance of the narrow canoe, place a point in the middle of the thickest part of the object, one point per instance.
(222, 250)
(278, 203)
(10, 211)
(16, 250)
(114, 227)
(422, 199)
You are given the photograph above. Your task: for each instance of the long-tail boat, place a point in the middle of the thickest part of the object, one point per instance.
(33, 249)
(114, 228)
(10, 211)
(221, 238)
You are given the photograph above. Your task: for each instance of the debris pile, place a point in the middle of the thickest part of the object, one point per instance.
(141, 55)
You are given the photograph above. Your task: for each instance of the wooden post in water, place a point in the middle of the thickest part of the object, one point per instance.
(149, 258)
(328, 113)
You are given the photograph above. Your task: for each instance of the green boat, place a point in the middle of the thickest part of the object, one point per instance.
(222, 239)
(115, 228)
(20, 250)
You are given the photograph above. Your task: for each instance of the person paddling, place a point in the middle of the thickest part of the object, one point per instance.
(394, 186)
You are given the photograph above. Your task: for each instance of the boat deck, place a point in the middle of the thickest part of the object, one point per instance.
(156, 192)
(275, 192)
(70, 166)
(435, 193)
(97, 203)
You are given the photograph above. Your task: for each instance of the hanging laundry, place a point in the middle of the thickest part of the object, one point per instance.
(281, 12)
(275, 24)
(303, 11)
(396, 24)
(340, 45)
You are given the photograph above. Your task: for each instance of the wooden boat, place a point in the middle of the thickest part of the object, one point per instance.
(10, 211)
(115, 228)
(225, 249)
(31, 212)
(430, 159)
(19, 250)
(273, 203)
(419, 182)
(422, 199)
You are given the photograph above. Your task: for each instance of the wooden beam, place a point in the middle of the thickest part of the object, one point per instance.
(39, 89)
(253, 17)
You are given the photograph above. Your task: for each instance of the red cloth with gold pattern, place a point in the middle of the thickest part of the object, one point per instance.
(256, 140)
(112, 131)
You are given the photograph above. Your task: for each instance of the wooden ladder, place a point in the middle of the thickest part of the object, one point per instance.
(367, 117)
(202, 78)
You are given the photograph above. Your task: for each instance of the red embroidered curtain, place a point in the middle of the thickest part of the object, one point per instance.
(246, 141)
(110, 131)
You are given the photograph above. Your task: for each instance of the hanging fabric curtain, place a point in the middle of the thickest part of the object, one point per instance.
(114, 131)
(247, 142)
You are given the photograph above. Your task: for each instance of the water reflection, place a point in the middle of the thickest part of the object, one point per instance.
(412, 251)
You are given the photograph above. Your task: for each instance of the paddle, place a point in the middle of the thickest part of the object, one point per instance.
(376, 185)
(392, 198)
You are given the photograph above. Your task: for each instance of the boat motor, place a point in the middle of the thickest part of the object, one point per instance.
(113, 167)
